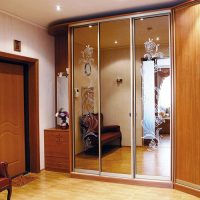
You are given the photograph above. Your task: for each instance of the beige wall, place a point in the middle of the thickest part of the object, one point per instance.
(38, 44)
(116, 98)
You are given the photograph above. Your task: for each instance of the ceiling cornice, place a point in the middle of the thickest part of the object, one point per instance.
(59, 27)
(22, 19)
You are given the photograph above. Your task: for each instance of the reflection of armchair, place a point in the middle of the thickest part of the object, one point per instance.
(165, 126)
(5, 181)
(90, 128)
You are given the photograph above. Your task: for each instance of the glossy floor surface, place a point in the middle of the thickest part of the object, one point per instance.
(58, 186)
(118, 160)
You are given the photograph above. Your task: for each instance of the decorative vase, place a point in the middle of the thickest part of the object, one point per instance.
(64, 125)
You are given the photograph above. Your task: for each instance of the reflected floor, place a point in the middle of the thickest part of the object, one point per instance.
(118, 160)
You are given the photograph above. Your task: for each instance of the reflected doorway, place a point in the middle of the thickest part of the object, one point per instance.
(153, 98)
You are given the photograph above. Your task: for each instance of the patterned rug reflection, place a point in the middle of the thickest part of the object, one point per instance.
(22, 180)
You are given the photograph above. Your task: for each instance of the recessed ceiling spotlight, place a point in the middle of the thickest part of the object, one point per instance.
(90, 26)
(58, 7)
(157, 38)
(116, 42)
(141, 19)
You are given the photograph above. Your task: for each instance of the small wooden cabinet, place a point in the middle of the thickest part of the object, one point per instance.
(56, 144)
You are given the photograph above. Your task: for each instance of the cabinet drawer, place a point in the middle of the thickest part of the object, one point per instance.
(56, 137)
(56, 144)
(56, 164)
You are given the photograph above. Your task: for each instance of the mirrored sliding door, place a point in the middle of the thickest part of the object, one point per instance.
(153, 98)
(85, 98)
(115, 76)
(122, 97)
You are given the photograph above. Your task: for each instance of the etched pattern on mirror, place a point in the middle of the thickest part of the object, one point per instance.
(86, 136)
(153, 98)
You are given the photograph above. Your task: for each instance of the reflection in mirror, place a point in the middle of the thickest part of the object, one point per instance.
(115, 96)
(86, 138)
(62, 97)
(153, 98)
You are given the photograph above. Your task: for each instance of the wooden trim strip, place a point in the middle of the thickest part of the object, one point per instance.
(187, 184)
(149, 183)
(187, 189)
(173, 129)
(186, 4)
(70, 102)
(34, 116)
(17, 58)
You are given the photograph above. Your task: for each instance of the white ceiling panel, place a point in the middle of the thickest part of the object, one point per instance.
(43, 12)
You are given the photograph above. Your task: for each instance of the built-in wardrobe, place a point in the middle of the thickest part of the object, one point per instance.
(121, 96)
(187, 107)
(133, 94)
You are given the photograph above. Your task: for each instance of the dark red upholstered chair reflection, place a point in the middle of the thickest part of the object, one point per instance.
(90, 131)
(5, 181)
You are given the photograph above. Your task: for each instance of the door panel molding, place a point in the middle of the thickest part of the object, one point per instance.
(33, 77)
(12, 117)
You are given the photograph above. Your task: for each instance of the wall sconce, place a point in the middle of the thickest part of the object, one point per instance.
(76, 92)
(119, 80)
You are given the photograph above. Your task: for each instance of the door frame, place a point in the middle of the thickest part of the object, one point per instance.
(33, 81)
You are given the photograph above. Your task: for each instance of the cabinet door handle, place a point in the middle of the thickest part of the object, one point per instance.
(59, 139)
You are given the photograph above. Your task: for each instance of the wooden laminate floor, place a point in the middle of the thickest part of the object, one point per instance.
(58, 186)
(118, 160)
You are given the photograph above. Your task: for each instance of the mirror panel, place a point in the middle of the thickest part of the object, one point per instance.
(115, 73)
(62, 95)
(148, 154)
(86, 130)
(153, 98)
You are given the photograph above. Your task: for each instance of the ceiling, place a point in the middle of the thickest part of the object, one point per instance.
(110, 32)
(43, 12)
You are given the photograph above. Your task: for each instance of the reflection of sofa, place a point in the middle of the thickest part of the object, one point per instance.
(90, 128)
